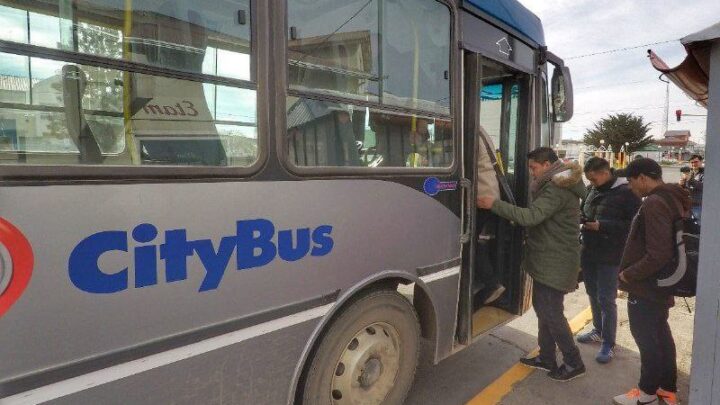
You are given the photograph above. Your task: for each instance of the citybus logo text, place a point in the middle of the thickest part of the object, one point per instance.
(17, 265)
(255, 242)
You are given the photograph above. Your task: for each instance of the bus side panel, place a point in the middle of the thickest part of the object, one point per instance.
(445, 296)
(102, 284)
(253, 372)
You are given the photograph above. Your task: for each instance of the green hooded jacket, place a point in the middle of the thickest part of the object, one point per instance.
(552, 255)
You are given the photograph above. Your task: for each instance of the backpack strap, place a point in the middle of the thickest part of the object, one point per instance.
(670, 202)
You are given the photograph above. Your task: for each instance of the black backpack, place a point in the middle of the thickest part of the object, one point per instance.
(679, 278)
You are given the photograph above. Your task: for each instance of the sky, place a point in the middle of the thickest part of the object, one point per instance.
(624, 81)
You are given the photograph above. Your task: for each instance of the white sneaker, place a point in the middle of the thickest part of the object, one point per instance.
(635, 397)
(495, 294)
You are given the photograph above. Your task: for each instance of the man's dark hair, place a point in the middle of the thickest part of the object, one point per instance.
(542, 155)
(698, 157)
(645, 166)
(595, 164)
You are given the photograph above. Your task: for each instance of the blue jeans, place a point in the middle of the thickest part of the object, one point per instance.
(601, 284)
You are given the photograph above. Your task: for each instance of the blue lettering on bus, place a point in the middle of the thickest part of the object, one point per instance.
(256, 243)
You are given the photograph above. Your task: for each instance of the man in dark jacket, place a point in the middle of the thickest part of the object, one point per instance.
(693, 182)
(650, 247)
(607, 212)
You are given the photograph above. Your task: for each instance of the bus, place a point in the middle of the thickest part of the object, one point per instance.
(258, 202)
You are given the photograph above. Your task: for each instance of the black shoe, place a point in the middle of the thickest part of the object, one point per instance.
(564, 373)
(538, 364)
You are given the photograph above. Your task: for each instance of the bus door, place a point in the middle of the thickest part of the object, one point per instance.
(498, 130)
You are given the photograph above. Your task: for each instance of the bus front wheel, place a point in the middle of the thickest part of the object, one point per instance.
(368, 355)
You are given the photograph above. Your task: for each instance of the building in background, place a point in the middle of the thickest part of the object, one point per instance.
(677, 145)
(570, 149)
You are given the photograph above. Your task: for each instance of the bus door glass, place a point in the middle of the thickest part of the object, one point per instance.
(503, 117)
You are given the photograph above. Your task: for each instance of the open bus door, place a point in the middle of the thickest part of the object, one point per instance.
(497, 124)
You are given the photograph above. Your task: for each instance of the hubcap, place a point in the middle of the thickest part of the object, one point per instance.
(368, 367)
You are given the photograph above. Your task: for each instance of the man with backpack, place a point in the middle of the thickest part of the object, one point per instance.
(651, 250)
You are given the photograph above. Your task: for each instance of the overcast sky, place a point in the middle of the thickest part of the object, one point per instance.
(624, 81)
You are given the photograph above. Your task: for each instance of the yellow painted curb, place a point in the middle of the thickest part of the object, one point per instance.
(493, 393)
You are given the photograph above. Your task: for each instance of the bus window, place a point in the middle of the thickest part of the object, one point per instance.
(359, 51)
(491, 98)
(332, 134)
(501, 101)
(189, 36)
(58, 112)
(393, 52)
(513, 129)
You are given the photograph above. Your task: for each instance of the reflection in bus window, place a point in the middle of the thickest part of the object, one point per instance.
(499, 116)
(391, 51)
(182, 35)
(491, 98)
(332, 134)
(56, 112)
(513, 128)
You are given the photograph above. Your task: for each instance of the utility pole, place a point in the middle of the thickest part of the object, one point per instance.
(666, 123)
(381, 58)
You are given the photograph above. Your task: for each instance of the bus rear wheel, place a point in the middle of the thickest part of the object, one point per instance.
(368, 355)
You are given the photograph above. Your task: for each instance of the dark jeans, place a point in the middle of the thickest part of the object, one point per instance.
(601, 284)
(650, 328)
(553, 327)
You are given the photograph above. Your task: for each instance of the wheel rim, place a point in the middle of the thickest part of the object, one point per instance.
(368, 367)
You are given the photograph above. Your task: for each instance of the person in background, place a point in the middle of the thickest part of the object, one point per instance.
(649, 248)
(693, 182)
(607, 212)
(553, 254)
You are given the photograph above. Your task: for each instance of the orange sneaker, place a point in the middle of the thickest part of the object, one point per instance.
(635, 397)
(670, 398)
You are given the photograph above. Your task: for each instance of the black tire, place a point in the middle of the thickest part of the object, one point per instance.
(380, 311)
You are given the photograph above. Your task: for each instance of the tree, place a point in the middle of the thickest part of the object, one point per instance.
(617, 130)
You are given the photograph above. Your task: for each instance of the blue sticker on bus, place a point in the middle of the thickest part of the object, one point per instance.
(256, 244)
(433, 186)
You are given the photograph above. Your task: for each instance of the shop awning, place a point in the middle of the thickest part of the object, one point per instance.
(692, 75)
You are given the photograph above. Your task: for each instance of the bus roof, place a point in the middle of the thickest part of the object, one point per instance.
(515, 15)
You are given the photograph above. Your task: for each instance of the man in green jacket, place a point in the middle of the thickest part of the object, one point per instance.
(552, 256)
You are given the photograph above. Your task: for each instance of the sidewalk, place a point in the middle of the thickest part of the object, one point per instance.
(603, 382)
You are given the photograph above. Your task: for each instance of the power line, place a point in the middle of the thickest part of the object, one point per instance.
(615, 84)
(620, 49)
(633, 108)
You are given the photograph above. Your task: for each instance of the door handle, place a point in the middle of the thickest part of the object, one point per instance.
(466, 185)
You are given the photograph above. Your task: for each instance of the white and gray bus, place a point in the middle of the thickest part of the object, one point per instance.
(257, 202)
